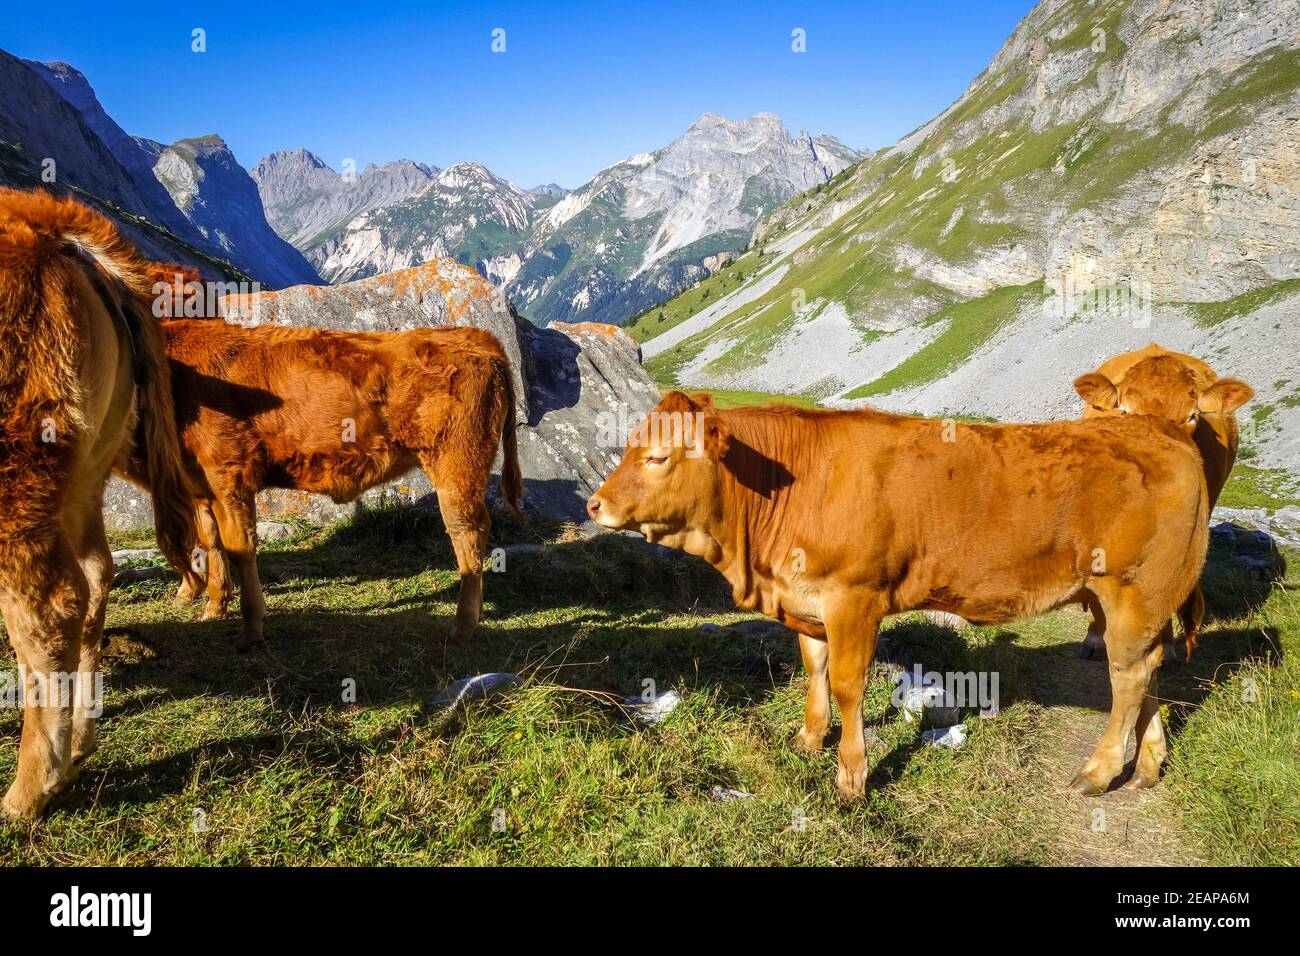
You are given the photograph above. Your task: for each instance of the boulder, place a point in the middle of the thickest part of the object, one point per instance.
(579, 388)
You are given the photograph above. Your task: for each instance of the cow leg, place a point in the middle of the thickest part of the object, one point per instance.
(851, 641)
(237, 525)
(1192, 616)
(43, 597)
(1094, 643)
(1151, 745)
(817, 709)
(96, 562)
(219, 585)
(1130, 637)
(463, 503)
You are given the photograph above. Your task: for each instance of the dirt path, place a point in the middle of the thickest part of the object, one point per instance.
(1121, 828)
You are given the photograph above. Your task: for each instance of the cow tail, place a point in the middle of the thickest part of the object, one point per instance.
(512, 479)
(173, 497)
(1191, 614)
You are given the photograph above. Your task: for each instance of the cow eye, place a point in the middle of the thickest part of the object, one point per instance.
(656, 459)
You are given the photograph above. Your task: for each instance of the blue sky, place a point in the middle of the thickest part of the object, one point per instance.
(579, 86)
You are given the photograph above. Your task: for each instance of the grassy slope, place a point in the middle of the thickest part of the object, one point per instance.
(969, 325)
(954, 216)
(284, 772)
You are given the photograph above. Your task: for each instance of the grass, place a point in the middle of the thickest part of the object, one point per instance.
(725, 398)
(660, 318)
(968, 326)
(210, 757)
(1251, 487)
(1210, 314)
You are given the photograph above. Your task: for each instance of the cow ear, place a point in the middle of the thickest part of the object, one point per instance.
(1225, 396)
(717, 438)
(677, 401)
(703, 400)
(1097, 390)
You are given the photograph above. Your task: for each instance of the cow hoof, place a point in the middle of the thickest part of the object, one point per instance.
(1140, 781)
(810, 742)
(246, 642)
(852, 787)
(1085, 787)
(23, 809)
(461, 636)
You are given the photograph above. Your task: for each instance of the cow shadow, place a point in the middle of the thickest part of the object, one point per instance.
(1053, 674)
(397, 653)
(196, 391)
(551, 361)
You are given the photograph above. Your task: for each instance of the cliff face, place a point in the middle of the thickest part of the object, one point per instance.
(47, 142)
(219, 198)
(189, 202)
(575, 385)
(308, 203)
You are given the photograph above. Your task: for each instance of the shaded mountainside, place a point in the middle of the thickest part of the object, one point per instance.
(189, 202)
(220, 199)
(1124, 171)
(638, 232)
(46, 142)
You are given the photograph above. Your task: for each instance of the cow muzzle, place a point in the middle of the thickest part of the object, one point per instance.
(601, 513)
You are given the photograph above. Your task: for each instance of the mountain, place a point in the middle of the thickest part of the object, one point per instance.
(306, 202)
(220, 199)
(133, 154)
(1123, 171)
(638, 232)
(48, 142)
(189, 202)
(465, 212)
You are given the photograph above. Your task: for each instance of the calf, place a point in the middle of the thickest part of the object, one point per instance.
(336, 413)
(1186, 392)
(827, 521)
(82, 376)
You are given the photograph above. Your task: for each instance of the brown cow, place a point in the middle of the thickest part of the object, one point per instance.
(827, 521)
(81, 369)
(1185, 391)
(336, 413)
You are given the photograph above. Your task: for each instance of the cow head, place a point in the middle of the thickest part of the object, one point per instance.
(1163, 386)
(173, 285)
(667, 481)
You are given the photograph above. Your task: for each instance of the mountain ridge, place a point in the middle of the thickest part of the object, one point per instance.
(628, 238)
